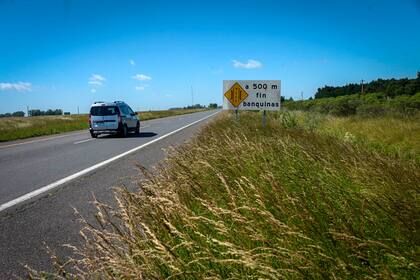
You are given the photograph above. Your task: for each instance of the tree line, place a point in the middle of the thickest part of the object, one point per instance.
(370, 104)
(196, 106)
(49, 112)
(389, 87)
(33, 113)
(15, 114)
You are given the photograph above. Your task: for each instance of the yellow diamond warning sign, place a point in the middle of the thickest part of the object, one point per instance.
(236, 94)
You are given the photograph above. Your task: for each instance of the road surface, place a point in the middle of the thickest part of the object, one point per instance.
(41, 180)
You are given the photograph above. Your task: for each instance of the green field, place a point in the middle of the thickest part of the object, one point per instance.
(307, 197)
(19, 128)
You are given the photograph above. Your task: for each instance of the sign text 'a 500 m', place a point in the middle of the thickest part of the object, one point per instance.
(251, 95)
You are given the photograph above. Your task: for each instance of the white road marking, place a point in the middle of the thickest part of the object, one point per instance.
(144, 126)
(54, 185)
(41, 140)
(83, 141)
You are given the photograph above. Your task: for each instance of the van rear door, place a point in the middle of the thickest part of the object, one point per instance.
(97, 118)
(111, 117)
(104, 117)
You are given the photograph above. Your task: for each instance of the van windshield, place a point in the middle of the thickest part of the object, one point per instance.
(104, 111)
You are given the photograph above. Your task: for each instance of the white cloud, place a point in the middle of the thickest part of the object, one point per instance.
(93, 90)
(19, 86)
(132, 62)
(251, 64)
(96, 80)
(141, 77)
(140, 88)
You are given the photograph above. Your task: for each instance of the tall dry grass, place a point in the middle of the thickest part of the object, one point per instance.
(243, 201)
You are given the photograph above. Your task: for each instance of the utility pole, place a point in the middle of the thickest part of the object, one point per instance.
(78, 110)
(362, 86)
(192, 97)
(301, 95)
(27, 110)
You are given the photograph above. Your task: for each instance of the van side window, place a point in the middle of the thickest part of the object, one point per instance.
(124, 109)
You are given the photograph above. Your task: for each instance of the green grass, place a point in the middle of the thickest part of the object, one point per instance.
(394, 136)
(19, 128)
(288, 201)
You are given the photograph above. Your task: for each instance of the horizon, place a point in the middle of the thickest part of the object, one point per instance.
(153, 54)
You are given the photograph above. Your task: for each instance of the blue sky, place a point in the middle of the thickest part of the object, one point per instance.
(69, 53)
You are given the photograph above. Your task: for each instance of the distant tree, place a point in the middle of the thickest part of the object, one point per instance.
(391, 88)
(418, 82)
(35, 112)
(18, 114)
(196, 106)
(49, 112)
(410, 87)
(282, 99)
(213, 105)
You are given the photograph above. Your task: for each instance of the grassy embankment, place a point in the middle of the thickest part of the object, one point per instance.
(19, 128)
(301, 198)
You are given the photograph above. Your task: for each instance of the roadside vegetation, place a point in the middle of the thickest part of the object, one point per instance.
(309, 196)
(366, 105)
(20, 127)
(378, 98)
(13, 128)
(397, 137)
(390, 88)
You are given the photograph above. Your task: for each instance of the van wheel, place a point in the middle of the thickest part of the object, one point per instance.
(124, 131)
(93, 135)
(137, 128)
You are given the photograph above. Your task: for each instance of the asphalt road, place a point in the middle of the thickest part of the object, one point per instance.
(31, 165)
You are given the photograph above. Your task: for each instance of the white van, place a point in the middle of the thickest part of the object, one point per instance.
(112, 118)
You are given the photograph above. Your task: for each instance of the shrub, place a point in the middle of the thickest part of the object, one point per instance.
(373, 104)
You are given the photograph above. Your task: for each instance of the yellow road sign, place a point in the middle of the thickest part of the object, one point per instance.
(236, 94)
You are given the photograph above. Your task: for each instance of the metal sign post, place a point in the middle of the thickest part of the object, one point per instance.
(264, 118)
